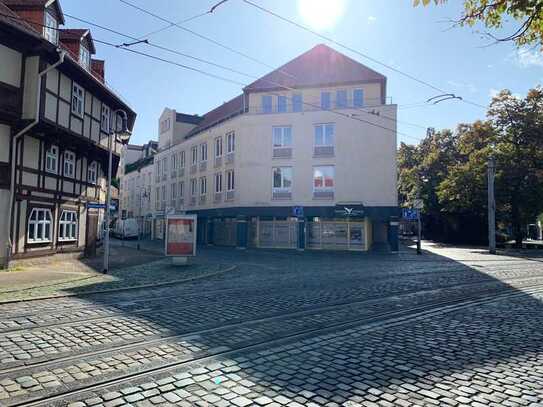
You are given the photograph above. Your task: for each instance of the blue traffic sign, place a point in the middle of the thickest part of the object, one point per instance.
(410, 213)
(298, 211)
(95, 205)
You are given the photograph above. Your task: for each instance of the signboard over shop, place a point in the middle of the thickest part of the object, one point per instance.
(180, 235)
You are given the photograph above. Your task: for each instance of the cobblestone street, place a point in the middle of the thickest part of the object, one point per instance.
(454, 327)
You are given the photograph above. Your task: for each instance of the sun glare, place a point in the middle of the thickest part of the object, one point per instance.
(321, 14)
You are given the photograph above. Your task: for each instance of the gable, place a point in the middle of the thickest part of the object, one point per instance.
(320, 66)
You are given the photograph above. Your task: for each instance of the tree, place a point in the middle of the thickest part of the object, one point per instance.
(518, 148)
(454, 166)
(493, 13)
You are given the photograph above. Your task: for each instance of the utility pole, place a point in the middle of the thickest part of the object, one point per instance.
(491, 206)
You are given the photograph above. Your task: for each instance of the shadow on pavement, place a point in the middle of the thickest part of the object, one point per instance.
(462, 355)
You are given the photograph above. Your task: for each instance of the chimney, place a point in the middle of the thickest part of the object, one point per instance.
(98, 68)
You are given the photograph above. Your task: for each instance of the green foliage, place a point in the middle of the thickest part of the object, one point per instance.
(493, 13)
(454, 165)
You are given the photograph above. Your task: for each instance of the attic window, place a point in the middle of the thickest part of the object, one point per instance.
(50, 29)
(84, 57)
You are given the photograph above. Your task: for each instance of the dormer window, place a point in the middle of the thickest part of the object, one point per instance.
(50, 29)
(84, 57)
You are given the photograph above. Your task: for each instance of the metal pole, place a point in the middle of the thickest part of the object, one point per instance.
(140, 217)
(491, 206)
(419, 251)
(108, 201)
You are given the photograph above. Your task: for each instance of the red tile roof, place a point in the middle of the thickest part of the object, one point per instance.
(320, 66)
(76, 34)
(227, 110)
(30, 4)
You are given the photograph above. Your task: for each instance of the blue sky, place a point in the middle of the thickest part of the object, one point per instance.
(414, 40)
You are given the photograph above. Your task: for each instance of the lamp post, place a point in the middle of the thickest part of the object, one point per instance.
(144, 195)
(124, 136)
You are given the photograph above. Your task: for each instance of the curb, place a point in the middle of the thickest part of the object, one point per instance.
(113, 290)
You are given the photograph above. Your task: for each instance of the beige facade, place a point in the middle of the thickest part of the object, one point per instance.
(361, 159)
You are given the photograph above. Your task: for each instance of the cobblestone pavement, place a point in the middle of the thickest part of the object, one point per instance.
(452, 327)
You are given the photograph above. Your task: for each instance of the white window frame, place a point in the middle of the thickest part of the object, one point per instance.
(230, 180)
(203, 152)
(194, 155)
(84, 56)
(203, 186)
(265, 106)
(182, 159)
(295, 107)
(345, 103)
(282, 187)
(46, 223)
(69, 164)
(92, 172)
(181, 189)
(323, 168)
(324, 143)
(218, 182)
(193, 187)
(218, 147)
(50, 29)
(354, 100)
(106, 118)
(329, 106)
(67, 226)
(78, 100)
(51, 159)
(230, 142)
(173, 193)
(282, 108)
(174, 162)
(282, 130)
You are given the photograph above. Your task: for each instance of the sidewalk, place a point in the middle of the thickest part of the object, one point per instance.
(129, 267)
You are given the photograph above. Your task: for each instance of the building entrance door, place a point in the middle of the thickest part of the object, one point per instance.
(91, 233)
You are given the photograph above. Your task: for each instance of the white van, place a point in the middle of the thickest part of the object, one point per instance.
(126, 228)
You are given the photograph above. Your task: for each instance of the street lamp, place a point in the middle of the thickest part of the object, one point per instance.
(146, 196)
(121, 135)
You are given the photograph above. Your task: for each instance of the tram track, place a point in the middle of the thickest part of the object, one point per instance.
(376, 321)
(144, 310)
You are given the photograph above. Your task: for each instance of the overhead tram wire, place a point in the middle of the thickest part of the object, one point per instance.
(170, 25)
(242, 54)
(186, 67)
(353, 50)
(201, 36)
(212, 63)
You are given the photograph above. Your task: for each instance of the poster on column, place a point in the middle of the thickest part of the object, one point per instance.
(180, 235)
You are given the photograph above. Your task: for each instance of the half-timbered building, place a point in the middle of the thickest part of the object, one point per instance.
(55, 115)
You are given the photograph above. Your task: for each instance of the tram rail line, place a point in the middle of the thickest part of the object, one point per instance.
(377, 321)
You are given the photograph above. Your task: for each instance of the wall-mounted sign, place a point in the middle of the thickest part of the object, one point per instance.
(350, 212)
(180, 235)
(298, 211)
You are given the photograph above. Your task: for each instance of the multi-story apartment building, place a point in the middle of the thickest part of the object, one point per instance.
(136, 180)
(55, 115)
(305, 157)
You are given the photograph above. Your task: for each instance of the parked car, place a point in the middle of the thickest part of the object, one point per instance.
(126, 228)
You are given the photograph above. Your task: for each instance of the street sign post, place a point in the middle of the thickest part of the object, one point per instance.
(180, 241)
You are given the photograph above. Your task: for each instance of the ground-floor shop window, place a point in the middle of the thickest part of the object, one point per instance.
(39, 225)
(67, 226)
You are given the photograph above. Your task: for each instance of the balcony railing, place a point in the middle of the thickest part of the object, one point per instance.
(314, 105)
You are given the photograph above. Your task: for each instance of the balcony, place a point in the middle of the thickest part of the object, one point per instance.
(202, 199)
(203, 165)
(193, 169)
(324, 194)
(230, 195)
(281, 194)
(229, 159)
(323, 151)
(217, 198)
(282, 152)
(218, 162)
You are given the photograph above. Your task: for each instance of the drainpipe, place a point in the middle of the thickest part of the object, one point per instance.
(61, 55)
